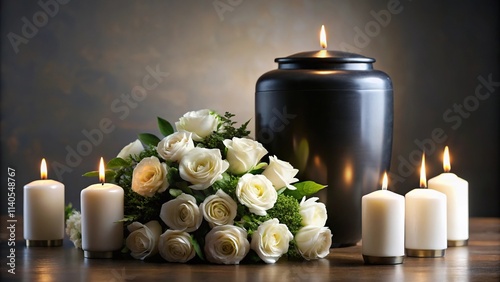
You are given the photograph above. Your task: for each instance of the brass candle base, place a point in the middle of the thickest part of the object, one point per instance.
(458, 243)
(44, 243)
(383, 260)
(97, 255)
(425, 253)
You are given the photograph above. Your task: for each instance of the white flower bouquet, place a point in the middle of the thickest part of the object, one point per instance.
(202, 193)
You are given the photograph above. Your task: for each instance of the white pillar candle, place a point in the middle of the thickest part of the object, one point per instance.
(43, 211)
(425, 221)
(456, 190)
(102, 209)
(382, 226)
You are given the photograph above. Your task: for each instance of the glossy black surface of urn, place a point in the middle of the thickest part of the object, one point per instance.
(330, 114)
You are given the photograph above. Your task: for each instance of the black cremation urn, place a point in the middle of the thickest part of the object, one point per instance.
(329, 114)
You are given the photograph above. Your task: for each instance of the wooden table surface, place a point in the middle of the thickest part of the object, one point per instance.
(479, 261)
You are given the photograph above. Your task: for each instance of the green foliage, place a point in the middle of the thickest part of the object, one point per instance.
(165, 127)
(149, 139)
(68, 210)
(226, 130)
(117, 163)
(305, 188)
(286, 210)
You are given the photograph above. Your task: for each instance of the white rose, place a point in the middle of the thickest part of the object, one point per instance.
(74, 228)
(175, 246)
(143, 239)
(202, 167)
(281, 173)
(149, 177)
(174, 146)
(227, 244)
(314, 242)
(134, 148)
(256, 192)
(243, 154)
(271, 240)
(219, 209)
(201, 123)
(312, 212)
(181, 213)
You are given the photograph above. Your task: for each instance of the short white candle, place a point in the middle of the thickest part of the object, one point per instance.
(102, 209)
(425, 220)
(456, 190)
(43, 211)
(382, 228)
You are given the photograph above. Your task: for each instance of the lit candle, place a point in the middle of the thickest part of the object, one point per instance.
(102, 209)
(382, 226)
(456, 190)
(43, 211)
(425, 220)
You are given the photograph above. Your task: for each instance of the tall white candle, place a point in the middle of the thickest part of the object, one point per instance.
(425, 220)
(102, 209)
(456, 190)
(43, 211)
(382, 226)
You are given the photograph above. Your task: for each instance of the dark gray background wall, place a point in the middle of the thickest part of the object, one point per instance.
(71, 69)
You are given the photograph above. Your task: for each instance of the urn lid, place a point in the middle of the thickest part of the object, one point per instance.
(325, 59)
(324, 70)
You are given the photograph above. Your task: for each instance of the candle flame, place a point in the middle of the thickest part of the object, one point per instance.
(102, 175)
(43, 169)
(446, 160)
(423, 178)
(322, 37)
(384, 181)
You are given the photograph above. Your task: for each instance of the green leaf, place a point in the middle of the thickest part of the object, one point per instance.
(175, 192)
(117, 163)
(149, 139)
(109, 174)
(259, 168)
(68, 210)
(165, 127)
(197, 248)
(94, 173)
(305, 188)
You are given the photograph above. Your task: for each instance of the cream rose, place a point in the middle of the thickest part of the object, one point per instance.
(281, 173)
(181, 213)
(143, 239)
(256, 192)
(74, 229)
(149, 177)
(201, 123)
(202, 167)
(314, 242)
(174, 146)
(134, 148)
(312, 212)
(227, 244)
(175, 246)
(243, 154)
(271, 240)
(219, 209)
